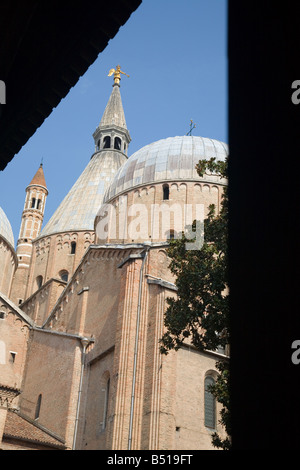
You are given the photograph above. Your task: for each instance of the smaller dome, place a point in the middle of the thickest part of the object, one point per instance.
(171, 159)
(5, 228)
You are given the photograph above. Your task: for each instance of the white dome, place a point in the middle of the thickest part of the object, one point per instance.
(171, 159)
(5, 228)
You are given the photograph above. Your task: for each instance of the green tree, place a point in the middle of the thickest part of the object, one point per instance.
(200, 312)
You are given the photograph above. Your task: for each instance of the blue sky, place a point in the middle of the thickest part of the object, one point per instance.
(175, 52)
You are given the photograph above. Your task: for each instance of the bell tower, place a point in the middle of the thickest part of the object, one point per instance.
(31, 223)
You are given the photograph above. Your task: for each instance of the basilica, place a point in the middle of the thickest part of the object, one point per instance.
(82, 302)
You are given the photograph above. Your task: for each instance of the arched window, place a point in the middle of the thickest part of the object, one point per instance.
(209, 403)
(39, 204)
(32, 202)
(105, 382)
(73, 248)
(64, 275)
(166, 192)
(106, 142)
(39, 281)
(38, 407)
(98, 145)
(117, 144)
(106, 403)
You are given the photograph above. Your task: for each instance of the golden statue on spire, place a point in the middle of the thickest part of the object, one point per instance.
(117, 74)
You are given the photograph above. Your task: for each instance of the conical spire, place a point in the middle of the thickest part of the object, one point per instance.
(39, 177)
(114, 112)
(112, 132)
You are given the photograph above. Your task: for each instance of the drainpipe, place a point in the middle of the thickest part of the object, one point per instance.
(84, 342)
(136, 346)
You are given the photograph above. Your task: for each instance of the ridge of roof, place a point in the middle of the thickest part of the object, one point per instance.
(20, 312)
(23, 428)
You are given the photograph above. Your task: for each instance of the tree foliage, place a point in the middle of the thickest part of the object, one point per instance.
(200, 313)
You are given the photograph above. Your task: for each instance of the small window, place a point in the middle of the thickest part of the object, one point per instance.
(106, 142)
(32, 202)
(73, 248)
(2, 315)
(38, 407)
(106, 402)
(171, 234)
(39, 282)
(98, 145)
(105, 410)
(20, 301)
(209, 403)
(12, 356)
(39, 204)
(117, 144)
(166, 191)
(64, 275)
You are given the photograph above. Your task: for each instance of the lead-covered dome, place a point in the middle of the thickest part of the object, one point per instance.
(5, 228)
(78, 209)
(168, 159)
